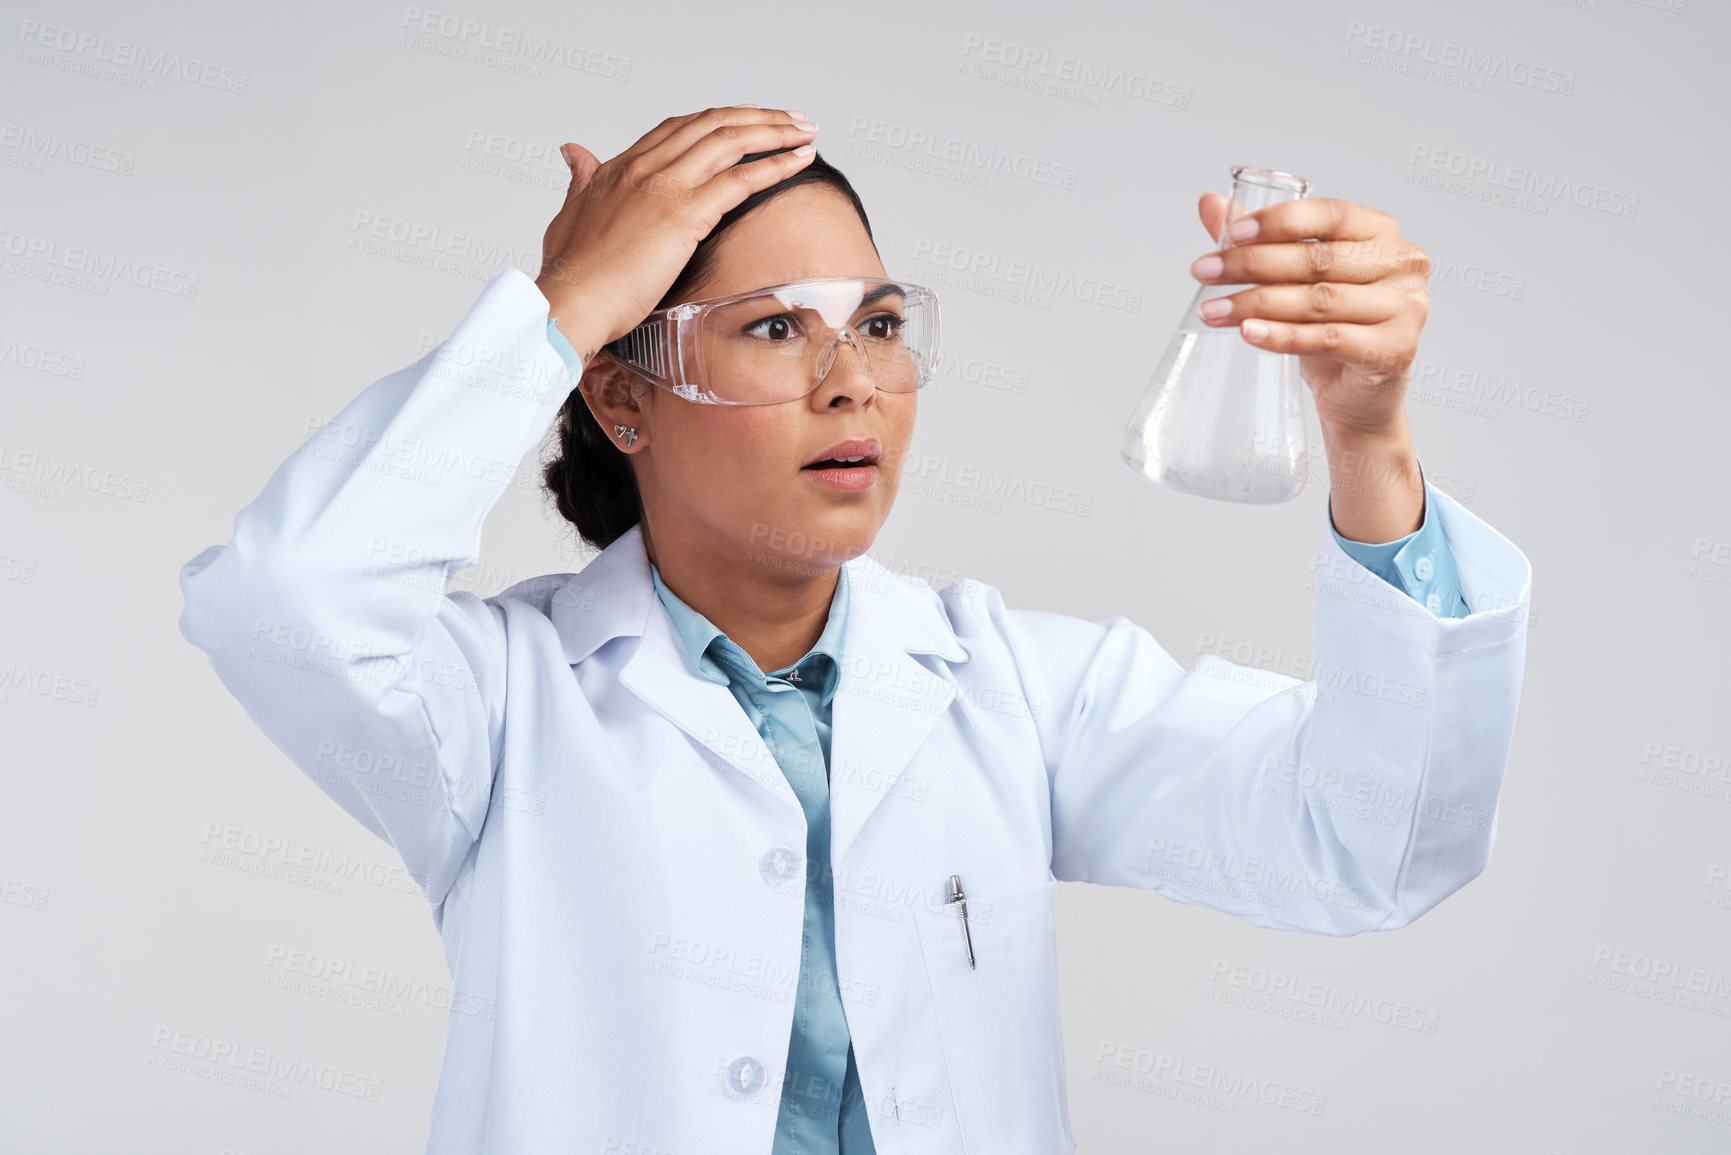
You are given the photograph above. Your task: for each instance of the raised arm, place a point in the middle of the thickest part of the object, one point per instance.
(326, 614)
(1359, 798)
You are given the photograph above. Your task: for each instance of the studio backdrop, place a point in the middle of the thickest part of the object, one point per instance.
(219, 223)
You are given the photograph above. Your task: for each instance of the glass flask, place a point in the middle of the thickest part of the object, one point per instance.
(1222, 418)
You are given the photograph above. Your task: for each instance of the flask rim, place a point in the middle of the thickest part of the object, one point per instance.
(1271, 178)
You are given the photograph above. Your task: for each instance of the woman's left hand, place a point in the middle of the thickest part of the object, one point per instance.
(1350, 303)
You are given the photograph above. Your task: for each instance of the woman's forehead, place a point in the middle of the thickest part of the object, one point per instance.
(796, 236)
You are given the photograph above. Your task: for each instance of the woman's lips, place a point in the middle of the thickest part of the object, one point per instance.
(851, 477)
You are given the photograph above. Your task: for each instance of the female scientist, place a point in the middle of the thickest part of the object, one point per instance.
(741, 843)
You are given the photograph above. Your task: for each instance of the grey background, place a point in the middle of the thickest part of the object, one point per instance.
(161, 408)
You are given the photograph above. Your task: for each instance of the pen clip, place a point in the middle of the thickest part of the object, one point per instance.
(957, 897)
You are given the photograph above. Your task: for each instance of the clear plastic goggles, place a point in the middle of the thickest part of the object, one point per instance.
(778, 344)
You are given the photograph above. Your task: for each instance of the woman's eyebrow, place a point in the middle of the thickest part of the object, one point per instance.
(881, 292)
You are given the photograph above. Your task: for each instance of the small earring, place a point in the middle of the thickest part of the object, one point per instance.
(630, 434)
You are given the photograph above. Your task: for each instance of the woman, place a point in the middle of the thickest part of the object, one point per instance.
(691, 906)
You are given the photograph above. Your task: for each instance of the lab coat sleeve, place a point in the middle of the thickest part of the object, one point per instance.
(1354, 800)
(326, 614)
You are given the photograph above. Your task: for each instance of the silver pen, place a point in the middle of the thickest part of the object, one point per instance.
(960, 899)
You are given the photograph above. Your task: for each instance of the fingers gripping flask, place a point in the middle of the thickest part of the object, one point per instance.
(1222, 418)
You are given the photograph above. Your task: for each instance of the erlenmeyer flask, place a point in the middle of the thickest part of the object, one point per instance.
(1222, 418)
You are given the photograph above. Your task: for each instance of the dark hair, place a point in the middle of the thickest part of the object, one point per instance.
(590, 480)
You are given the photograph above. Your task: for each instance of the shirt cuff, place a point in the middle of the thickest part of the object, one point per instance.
(563, 347)
(1420, 564)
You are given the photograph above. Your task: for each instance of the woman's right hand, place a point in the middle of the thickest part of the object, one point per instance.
(628, 227)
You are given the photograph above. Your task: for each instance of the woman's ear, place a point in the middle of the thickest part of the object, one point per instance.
(614, 395)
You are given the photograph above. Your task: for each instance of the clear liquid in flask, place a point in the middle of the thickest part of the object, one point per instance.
(1221, 418)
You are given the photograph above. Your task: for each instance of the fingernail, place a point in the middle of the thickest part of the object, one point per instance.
(805, 125)
(793, 112)
(1215, 309)
(805, 150)
(1254, 329)
(1207, 268)
(1244, 228)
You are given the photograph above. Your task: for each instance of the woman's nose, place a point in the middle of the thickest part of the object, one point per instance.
(846, 374)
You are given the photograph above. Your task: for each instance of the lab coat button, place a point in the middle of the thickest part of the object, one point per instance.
(744, 1075)
(778, 865)
(1422, 568)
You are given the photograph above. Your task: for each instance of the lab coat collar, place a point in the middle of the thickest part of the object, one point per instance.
(886, 704)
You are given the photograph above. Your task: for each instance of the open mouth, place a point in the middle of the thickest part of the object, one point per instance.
(849, 465)
(841, 463)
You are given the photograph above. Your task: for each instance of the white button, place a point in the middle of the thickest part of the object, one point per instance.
(779, 864)
(1422, 568)
(1435, 603)
(744, 1075)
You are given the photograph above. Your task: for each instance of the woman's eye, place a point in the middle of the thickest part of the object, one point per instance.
(776, 328)
(884, 327)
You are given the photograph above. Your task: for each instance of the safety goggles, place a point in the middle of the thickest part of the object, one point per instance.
(779, 343)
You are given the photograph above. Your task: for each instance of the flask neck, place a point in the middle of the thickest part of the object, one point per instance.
(1254, 189)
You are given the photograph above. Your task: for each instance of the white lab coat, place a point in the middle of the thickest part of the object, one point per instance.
(604, 838)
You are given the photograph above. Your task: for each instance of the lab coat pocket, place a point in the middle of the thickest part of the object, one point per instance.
(1003, 1040)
